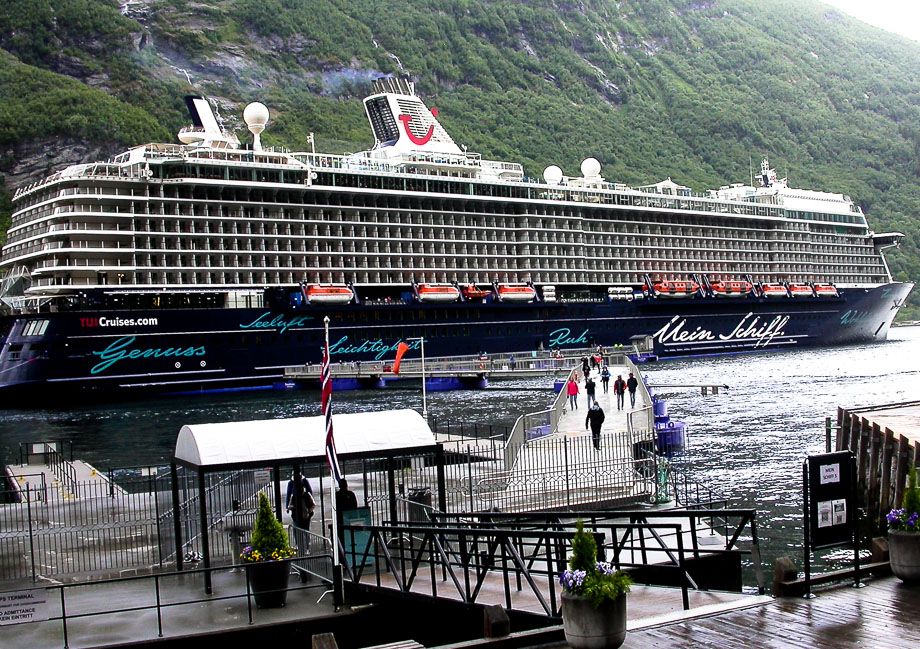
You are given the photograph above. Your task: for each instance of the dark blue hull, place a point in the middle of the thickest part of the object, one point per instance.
(104, 353)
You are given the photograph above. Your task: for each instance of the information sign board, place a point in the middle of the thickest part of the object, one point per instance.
(831, 508)
(19, 606)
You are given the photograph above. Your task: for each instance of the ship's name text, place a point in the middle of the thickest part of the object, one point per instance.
(265, 321)
(853, 316)
(676, 331)
(120, 349)
(343, 347)
(561, 337)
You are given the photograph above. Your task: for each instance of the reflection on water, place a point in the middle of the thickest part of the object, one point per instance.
(749, 441)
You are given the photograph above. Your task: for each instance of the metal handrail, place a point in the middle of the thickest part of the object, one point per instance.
(467, 554)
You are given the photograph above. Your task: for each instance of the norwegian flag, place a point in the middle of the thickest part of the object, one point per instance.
(331, 455)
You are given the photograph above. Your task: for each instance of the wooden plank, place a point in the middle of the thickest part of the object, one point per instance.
(843, 429)
(901, 473)
(875, 443)
(885, 486)
(863, 458)
(854, 434)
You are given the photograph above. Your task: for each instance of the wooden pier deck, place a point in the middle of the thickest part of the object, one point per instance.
(882, 615)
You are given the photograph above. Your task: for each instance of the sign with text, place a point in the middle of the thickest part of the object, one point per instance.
(831, 508)
(262, 477)
(17, 607)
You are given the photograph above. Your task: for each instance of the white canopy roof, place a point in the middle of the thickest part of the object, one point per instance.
(271, 440)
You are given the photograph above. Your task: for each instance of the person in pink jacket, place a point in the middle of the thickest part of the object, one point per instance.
(572, 391)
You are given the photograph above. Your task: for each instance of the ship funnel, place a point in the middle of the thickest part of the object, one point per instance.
(401, 122)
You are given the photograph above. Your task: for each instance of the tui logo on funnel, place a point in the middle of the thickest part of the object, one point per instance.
(419, 141)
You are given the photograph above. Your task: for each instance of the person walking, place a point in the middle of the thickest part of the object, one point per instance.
(605, 378)
(585, 368)
(619, 389)
(511, 362)
(631, 384)
(572, 391)
(595, 418)
(590, 387)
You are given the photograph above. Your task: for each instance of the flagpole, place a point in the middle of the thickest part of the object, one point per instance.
(335, 485)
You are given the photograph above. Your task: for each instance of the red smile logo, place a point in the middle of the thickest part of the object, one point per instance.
(405, 119)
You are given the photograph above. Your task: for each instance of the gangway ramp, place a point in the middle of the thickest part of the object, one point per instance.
(515, 561)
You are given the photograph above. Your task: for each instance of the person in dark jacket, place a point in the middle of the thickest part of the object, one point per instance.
(631, 384)
(595, 418)
(619, 388)
(605, 378)
(590, 387)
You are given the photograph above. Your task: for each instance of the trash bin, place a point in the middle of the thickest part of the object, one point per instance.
(419, 504)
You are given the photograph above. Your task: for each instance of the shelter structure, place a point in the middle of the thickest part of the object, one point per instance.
(276, 443)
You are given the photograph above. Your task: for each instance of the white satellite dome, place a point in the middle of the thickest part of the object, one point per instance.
(256, 117)
(552, 175)
(590, 168)
(255, 114)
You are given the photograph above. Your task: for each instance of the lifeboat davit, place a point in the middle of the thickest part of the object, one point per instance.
(438, 293)
(329, 294)
(516, 293)
(800, 290)
(826, 290)
(731, 288)
(675, 288)
(774, 290)
(473, 292)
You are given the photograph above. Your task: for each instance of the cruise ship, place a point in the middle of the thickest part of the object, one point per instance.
(211, 265)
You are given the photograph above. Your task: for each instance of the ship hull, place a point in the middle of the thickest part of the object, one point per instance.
(104, 354)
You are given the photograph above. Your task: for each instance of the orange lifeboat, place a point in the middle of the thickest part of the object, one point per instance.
(731, 288)
(328, 294)
(675, 288)
(438, 293)
(774, 290)
(516, 293)
(826, 290)
(473, 292)
(800, 290)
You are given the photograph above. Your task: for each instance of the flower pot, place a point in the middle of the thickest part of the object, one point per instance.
(268, 581)
(587, 627)
(904, 554)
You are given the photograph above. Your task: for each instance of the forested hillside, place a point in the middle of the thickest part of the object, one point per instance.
(691, 89)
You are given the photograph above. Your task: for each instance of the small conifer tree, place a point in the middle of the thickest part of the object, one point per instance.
(269, 539)
(584, 550)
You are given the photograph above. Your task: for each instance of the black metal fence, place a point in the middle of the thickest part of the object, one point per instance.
(127, 525)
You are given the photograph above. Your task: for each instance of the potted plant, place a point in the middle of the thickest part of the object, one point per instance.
(593, 597)
(266, 568)
(904, 534)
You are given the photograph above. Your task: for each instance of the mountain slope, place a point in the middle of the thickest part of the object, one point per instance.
(691, 89)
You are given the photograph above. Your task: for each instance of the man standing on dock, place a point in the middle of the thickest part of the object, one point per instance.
(632, 384)
(619, 388)
(595, 418)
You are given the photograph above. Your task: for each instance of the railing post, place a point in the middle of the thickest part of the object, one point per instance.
(156, 582)
(31, 533)
(64, 618)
